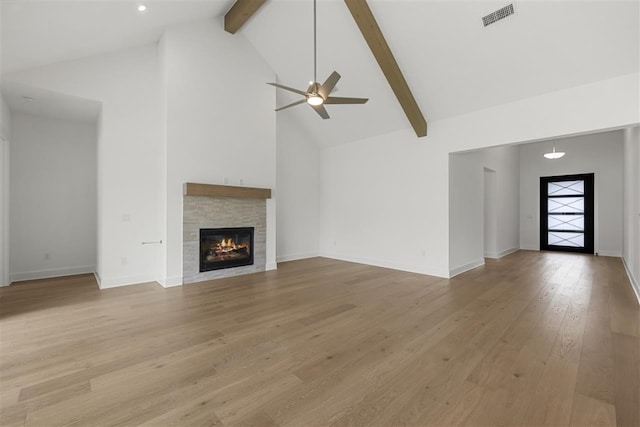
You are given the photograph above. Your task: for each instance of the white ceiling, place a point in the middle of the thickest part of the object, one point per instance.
(451, 62)
(41, 32)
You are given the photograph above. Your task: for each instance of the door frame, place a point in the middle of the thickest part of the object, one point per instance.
(589, 213)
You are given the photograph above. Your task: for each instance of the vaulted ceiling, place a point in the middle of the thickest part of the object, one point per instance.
(452, 63)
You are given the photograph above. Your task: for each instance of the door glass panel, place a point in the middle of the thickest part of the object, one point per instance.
(565, 188)
(566, 239)
(566, 205)
(566, 222)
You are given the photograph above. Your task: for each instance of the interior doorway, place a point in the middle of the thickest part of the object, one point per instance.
(567, 213)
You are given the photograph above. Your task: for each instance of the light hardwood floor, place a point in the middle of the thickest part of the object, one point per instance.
(532, 339)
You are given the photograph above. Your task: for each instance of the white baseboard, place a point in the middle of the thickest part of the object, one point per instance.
(463, 268)
(498, 255)
(271, 266)
(616, 254)
(170, 282)
(56, 272)
(634, 281)
(295, 257)
(384, 264)
(116, 282)
(529, 247)
(4, 278)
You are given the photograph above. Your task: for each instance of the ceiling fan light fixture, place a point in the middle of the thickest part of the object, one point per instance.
(315, 100)
(554, 154)
(317, 94)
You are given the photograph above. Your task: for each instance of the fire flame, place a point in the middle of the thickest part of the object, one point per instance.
(227, 248)
(228, 243)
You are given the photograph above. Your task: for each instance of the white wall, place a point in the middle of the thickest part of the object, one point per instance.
(298, 177)
(631, 216)
(467, 225)
(490, 212)
(130, 140)
(372, 188)
(600, 153)
(53, 201)
(220, 123)
(466, 211)
(5, 131)
(383, 203)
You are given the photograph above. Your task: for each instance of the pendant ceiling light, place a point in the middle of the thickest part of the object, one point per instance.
(554, 154)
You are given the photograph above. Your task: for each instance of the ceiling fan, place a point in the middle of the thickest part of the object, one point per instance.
(317, 94)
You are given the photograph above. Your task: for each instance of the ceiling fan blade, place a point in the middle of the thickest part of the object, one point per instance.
(290, 89)
(302, 101)
(321, 111)
(327, 87)
(339, 100)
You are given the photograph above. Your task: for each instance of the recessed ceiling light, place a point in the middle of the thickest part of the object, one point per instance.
(142, 8)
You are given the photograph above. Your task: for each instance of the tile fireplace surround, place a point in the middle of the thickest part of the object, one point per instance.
(222, 206)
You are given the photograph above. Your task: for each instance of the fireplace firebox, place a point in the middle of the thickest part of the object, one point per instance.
(225, 248)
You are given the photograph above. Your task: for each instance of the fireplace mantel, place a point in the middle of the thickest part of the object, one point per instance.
(212, 190)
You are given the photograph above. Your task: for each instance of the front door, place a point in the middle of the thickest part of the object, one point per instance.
(566, 213)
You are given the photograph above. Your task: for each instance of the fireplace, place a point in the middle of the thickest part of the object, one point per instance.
(225, 248)
(208, 206)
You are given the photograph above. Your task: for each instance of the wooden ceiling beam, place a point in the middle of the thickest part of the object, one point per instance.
(240, 13)
(375, 39)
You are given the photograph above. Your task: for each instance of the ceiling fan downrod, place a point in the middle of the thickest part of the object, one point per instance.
(315, 46)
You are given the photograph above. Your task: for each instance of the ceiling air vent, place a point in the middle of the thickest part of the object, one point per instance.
(497, 15)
